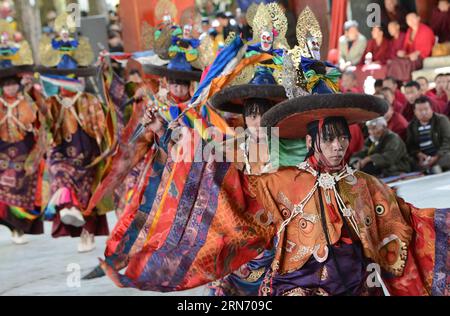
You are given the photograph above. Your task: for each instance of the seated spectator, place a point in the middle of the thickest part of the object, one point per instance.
(425, 87)
(412, 93)
(349, 83)
(384, 153)
(378, 46)
(447, 90)
(396, 121)
(393, 11)
(428, 139)
(440, 21)
(397, 38)
(439, 103)
(351, 45)
(418, 45)
(400, 99)
(439, 91)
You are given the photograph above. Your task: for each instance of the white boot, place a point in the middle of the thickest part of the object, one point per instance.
(18, 237)
(86, 242)
(72, 217)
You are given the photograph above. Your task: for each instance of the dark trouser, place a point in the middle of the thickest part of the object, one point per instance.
(401, 68)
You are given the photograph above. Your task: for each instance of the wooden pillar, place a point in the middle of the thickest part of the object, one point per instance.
(134, 12)
(30, 20)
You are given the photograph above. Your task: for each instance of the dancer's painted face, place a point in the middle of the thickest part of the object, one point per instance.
(167, 19)
(4, 38)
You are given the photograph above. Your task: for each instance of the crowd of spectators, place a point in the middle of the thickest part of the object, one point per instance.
(414, 134)
(400, 43)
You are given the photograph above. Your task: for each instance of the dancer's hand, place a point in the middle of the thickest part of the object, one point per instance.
(153, 121)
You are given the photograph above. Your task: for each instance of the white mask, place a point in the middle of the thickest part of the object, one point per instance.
(64, 34)
(266, 41)
(314, 47)
(187, 30)
(4, 38)
(167, 19)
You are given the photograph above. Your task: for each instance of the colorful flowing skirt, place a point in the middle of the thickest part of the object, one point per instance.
(19, 192)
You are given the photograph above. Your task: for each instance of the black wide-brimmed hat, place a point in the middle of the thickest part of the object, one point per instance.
(15, 71)
(293, 116)
(172, 74)
(78, 72)
(232, 99)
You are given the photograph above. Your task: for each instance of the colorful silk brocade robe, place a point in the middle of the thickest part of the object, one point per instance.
(128, 164)
(203, 238)
(398, 237)
(78, 125)
(306, 263)
(182, 201)
(247, 280)
(19, 187)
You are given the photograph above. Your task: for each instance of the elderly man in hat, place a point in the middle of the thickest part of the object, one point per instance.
(351, 45)
(384, 153)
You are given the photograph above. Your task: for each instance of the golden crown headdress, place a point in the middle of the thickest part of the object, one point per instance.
(270, 17)
(308, 26)
(165, 8)
(250, 14)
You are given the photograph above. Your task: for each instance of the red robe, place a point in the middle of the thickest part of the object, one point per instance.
(356, 143)
(398, 124)
(440, 23)
(380, 53)
(441, 98)
(423, 41)
(430, 94)
(396, 45)
(399, 101)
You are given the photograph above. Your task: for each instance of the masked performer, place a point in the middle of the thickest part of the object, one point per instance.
(22, 138)
(79, 129)
(252, 94)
